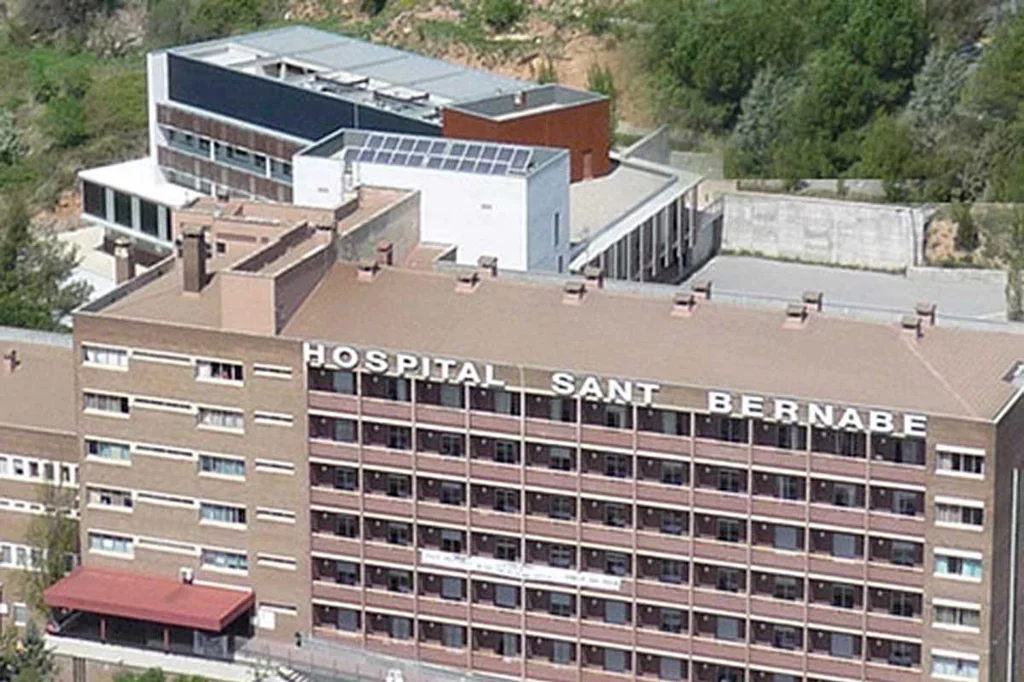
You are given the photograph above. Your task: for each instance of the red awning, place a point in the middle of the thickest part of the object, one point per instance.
(149, 598)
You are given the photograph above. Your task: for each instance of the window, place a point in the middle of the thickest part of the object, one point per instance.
(348, 573)
(506, 549)
(213, 418)
(673, 473)
(673, 522)
(231, 561)
(905, 502)
(841, 646)
(903, 604)
(844, 495)
(729, 481)
(562, 653)
(562, 508)
(616, 563)
(786, 537)
(719, 427)
(957, 616)
(508, 645)
(452, 493)
(727, 579)
(616, 465)
(111, 544)
(616, 660)
(957, 567)
(333, 429)
(399, 533)
(450, 444)
(346, 478)
(220, 371)
(105, 497)
(220, 513)
(785, 588)
(453, 636)
(105, 357)
(562, 556)
(952, 462)
(94, 200)
(332, 380)
(672, 571)
(399, 581)
(398, 485)
(148, 220)
(903, 553)
(506, 452)
(844, 596)
(221, 466)
(119, 452)
(20, 614)
(667, 422)
(954, 667)
(670, 620)
(727, 628)
(102, 402)
(616, 612)
(728, 530)
(844, 546)
(839, 442)
(788, 488)
(348, 620)
(506, 500)
(560, 459)
(958, 515)
(399, 628)
(122, 209)
(670, 668)
(452, 588)
(451, 541)
(785, 637)
(506, 596)
(615, 515)
(561, 604)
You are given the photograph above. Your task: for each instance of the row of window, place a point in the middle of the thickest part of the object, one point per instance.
(239, 157)
(124, 546)
(38, 470)
(210, 512)
(149, 216)
(206, 463)
(764, 584)
(208, 417)
(207, 370)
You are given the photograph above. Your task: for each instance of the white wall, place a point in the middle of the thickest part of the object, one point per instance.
(484, 215)
(156, 91)
(316, 181)
(547, 194)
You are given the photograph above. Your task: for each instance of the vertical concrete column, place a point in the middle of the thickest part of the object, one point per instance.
(109, 203)
(643, 248)
(692, 201)
(136, 214)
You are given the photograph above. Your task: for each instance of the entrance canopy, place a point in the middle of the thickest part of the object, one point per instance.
(149, 598)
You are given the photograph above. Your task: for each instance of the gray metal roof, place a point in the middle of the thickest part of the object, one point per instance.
(446, 82)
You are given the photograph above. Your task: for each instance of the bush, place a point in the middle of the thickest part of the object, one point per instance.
(599, 79)
(546, 73)
(65, 121)
(372, 7)
(502, 15)
(967, 237)
(12, 148)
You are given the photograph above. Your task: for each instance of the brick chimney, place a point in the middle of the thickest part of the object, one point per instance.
(368, 270)
(466, 282)
(926, 311)
(385, 253)
(683, 303)
(124, 260)
(487, 266)
(815, 299)
(573, 292)
(911, 325)
(193, 257)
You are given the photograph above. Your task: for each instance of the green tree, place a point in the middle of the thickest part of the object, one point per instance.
(546, 73)
(26, 658)
(55, 535)
(1015, 269)
(12, 147)
(502, 15)
(600, 79)
(890, 153)
(154, 675)
(997, 87)
(764, 110)
(967, 237)
(65, 121)
(35, 271)
(52, 19)
(938, 88)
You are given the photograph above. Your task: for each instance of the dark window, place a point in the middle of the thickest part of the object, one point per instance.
(844, 596)
(560, 459)
(346, 478)
(506, 500)
(615, 515)
(562, 508)
(839, 442)
(785, 588)
(784, 436)
(452, 493)
(333, 380)
(561, 604)
(506, 548)
(451, 541)
(673, 571)
(122, 209)
(506, 596)
(399, 581)
(607, 414)
(506, 452)
(331, 428)
(399, 485)
(668, 422)
(616, 563)
(728, 530)
(670, 620)
(453, 588)
(551, 408)
(617, 466)
(147, 218)
(729, 480)
(719, 427)
(399, 533)
(94, 200)
(400, 628)
(562, 556)
(388, 388)
(673, 473)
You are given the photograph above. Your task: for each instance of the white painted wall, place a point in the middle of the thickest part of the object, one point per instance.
(317, 181)
(156, 93)
(547, 194)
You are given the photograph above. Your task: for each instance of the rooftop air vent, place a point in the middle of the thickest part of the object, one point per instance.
(487, 266)
(796, 315)
(815, 299)
(702, 288)
(911, 324)
(466, 282)
(683, 303)
(368, 270)
(594, 276)
(573, 292)
(926, 311)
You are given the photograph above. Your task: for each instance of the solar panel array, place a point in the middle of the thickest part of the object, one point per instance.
(441, 154)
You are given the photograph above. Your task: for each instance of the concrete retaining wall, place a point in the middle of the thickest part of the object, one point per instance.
(880, 236)
(958, 275)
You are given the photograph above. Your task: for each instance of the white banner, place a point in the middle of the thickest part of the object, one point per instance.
(517, 571)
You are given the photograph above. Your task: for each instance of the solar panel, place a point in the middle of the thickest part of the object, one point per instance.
(415, 159)
(438, 147)
(374, 142)
(414, 151)
(406, 145)
(458, 149)
(467, 165)
(451, 164)
(400, 158)
(473, 151)
(434, 162)
(499, 169)
(366, 155)
(390, 143)
(483, 167)
(383, 157)
(489, 153)
(422, 146)
(505, 154)
(351, 155)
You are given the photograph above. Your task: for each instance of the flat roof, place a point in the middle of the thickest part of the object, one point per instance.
(141, 178)
(150, 598)
(597, 202)
(834, 358)
(40, 393)
(350, 59)
(956, 293)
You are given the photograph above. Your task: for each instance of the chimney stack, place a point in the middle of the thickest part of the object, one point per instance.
(911, 324)
(124, 260)
(796, 315)
(926, 311)
(594, 275)
(815, 298)
(11, 362)
(573, 292)
(385, 253)
(368, 270)
(465, 282)
(487, 266)
(683, 303)
(702, 288)
(193, 254)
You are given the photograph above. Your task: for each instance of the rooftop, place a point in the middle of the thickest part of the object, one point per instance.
(540, 98)
(354, 69)
(149, 598)
(142, 178)
(40, 393)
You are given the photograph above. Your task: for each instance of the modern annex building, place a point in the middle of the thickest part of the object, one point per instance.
(248, 116)
(539, 480)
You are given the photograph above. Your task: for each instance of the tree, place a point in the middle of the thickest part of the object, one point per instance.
(12, 148)
(967, 237)
(65, 121)
(26, 658)
(51, 19)
(599, 79)
(890, 153)
(763, 115)
(1015, 269)
(35, 269)
(997, 87)
(502, 15)
(937, 91)
(54, 537)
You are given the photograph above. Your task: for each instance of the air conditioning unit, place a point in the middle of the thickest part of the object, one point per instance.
(186, 574)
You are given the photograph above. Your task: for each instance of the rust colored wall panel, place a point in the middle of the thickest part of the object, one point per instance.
(582, 129)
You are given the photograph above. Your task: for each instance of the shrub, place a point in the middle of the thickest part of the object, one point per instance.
(546, 73)
(502, 15)
(12, 148)
(599, 79)
(967, 238)
(372, 7)
(65, 121)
